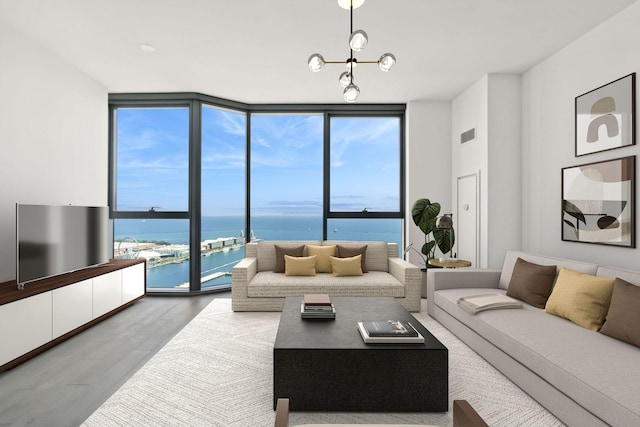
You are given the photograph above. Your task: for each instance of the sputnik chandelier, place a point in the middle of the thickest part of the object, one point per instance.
(357, 41)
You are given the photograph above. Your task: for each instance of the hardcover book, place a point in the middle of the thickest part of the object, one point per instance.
(317, 300)
(389, 328)
(319, 312)
(409, 338)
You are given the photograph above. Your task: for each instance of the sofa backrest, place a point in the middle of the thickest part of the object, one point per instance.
(512, 256)
(265, 251)
(632, 277)
(377, 254)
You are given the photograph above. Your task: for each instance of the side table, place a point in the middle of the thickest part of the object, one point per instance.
(449, 264)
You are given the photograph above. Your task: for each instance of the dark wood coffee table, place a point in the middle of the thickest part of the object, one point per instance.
(324, 365)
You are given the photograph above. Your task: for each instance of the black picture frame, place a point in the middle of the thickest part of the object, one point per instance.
(591, 213)
(605, 117)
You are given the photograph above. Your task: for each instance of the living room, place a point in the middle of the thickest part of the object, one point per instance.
(55, 126)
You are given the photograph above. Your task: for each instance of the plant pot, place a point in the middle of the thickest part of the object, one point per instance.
(423, 292)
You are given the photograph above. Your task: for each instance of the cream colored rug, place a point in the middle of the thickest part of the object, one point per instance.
(218, 371)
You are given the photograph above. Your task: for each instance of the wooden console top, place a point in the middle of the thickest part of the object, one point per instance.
(9, 290)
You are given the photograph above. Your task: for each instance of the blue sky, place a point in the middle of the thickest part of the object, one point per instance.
(286, 162)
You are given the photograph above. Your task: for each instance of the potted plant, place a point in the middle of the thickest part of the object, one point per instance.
(425, 215)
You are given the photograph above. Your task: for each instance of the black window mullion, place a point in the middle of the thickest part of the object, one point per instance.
(195, 185)
(326, 185)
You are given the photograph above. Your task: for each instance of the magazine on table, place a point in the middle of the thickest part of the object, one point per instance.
(476, 303)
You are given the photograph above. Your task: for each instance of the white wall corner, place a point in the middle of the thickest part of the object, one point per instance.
(428, 162)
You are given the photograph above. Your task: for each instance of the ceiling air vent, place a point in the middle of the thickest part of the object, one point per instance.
(468, 136)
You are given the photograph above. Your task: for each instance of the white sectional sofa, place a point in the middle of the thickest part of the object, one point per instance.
(255, 286)
(583, 377)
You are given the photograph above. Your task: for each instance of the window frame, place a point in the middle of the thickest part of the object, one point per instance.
(194, 102)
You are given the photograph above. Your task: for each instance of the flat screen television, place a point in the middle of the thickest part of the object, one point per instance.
(52, 240)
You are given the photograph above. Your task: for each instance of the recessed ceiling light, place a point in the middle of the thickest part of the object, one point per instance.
(147, 48)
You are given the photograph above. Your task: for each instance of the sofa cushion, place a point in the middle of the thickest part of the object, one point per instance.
(377, 254)
(300, 266)
(344, 252)
(623, 318)
(598, 372)
(511, 257)
(265, 251)
(531, 282)
(323, 257)
(346, 266)
(294, 251)
(374, 284)
(582, 298)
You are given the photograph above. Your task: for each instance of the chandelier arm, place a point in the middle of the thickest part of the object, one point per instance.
(358, 61)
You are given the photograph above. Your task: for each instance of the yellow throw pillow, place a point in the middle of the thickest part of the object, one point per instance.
(347, 266)
(299, 265)
(582, 298)
(323, 257)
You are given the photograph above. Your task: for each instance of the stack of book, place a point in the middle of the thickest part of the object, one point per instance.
(389, 332)
(317, 306)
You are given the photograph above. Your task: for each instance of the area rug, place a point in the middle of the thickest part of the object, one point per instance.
(217, 371)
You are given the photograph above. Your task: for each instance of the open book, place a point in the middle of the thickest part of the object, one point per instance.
(476, 303)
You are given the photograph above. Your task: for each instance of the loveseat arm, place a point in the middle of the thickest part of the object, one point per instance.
(438, 279)
(411, 278)
(241, 275)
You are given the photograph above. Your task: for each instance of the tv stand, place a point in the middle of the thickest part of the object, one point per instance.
(48, 311)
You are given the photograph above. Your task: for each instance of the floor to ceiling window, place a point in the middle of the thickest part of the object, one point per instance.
(151, 192)
(286, 176)
(194, 178)
(223, 194)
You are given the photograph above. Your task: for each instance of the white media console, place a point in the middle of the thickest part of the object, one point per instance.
(49, 311)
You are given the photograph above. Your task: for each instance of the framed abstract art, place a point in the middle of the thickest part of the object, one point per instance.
(605, 117)
(598, 203)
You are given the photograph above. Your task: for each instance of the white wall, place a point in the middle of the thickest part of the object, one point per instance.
(428, 163)
(469, 110)
(505, 167)
(608, 52)
(53, 135)
(493, 106)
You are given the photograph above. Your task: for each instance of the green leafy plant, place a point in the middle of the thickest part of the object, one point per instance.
(425, 215)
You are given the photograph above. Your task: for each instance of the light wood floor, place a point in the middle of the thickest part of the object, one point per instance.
(65, 385)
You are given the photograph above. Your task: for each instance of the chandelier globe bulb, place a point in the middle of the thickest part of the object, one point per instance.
(351, 93)
(358, 40)
(345, 79)
(386, 62)
(316, 62)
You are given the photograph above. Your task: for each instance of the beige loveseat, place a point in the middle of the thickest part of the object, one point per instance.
(255, 286)
(583, 377)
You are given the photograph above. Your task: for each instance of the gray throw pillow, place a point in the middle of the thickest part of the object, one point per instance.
(623, 319)
(531, 283)
(281, 252)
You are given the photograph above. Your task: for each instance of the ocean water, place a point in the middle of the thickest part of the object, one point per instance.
(176, 231)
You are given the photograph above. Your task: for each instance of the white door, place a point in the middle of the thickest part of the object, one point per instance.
(467, 227)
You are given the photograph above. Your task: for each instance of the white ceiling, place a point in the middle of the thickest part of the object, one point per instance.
(256, 51)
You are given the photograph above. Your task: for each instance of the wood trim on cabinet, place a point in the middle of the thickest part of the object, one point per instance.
(9, 290)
